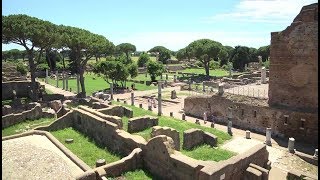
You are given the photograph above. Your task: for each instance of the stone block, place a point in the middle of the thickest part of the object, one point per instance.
(265, 172)
(140, 123)
(192, 137)
(210, 139)
(252, 174)
(55, 105)
(174, 134)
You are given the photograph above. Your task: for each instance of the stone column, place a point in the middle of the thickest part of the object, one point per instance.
(132, 99)
(189, 84)
(57, 78)
(63, 81)
(248, 134)
(230, 127)
(246, 67)
(268, 137)
(291, 145)
(263, 75)
(220, 90)
(166, 76)
(47, 74)
(67, 77)
(78, 83)
(203, 87)
(174, 78)
(159, 99)
(230, 72)
(316, 153)
(111, 91)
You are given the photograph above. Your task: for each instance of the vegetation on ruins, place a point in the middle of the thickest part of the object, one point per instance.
(163, 53)
(154, 69)
(84, 147)
(203, 152)
(25, 126)
(143, 59)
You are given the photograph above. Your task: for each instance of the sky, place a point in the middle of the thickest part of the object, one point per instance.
(169, 23)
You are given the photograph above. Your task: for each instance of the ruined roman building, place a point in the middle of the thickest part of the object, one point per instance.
(293, 80)
(291, 110)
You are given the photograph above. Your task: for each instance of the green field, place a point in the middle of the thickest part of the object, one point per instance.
(216, 72)
(202, 152)
(85, 148)
(26, 126)
(94, 83)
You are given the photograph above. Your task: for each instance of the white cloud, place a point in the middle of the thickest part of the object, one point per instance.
(266, 11)
(177, 40)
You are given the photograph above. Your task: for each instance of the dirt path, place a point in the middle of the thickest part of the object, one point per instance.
(54, 89)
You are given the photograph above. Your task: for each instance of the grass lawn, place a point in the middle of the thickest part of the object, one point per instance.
(24, 100)
(94, 83)
(203, 152)
(25, 126)
(216, 72)
(138, 174)
(86, 149)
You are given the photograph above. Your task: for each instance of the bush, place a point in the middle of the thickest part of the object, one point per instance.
(22, 68)
(42, 67)
(266, 64)
(214, 64)
(199, 64)
(143, 60)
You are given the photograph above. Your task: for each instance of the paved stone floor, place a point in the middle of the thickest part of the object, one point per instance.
(35, 157)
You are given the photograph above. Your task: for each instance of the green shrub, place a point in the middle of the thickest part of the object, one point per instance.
(214, 64)
(22, 68)
(42, 67)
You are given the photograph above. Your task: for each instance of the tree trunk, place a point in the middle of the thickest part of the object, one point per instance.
(83, 89)
(34, 96)
(206, 67)
(96, 58)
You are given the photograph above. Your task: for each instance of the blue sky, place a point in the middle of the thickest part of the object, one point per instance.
(169, 23)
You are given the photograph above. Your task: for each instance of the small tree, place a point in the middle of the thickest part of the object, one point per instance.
(164, 53)
(154, 69)
(133, 70)
(126, 48)
(143, 59)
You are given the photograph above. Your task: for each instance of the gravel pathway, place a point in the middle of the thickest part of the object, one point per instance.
(35, 157)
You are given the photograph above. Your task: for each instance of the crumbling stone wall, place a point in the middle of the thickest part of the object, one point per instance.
(235, 167)
(22, 89)
(195, 137)
(114, 119)
(117, 111)
(294, 62)
(32, 114)
(104, 132)
(174, 134)
(141, 123)
(129, 163)
(256, 116)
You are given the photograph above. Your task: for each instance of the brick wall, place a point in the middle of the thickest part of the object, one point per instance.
(293, 78)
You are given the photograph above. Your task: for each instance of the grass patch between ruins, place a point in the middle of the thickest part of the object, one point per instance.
(202, 152)
(85, 148)
(95, 83)
(26, 126)
(138, 174)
